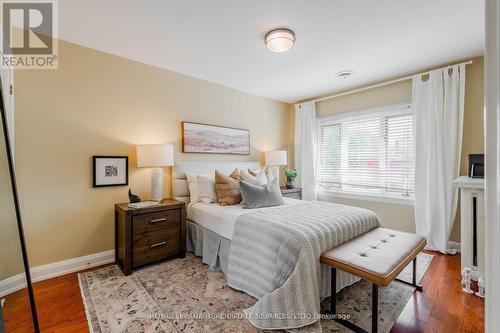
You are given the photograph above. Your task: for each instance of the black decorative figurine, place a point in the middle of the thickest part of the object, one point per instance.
(132, 197)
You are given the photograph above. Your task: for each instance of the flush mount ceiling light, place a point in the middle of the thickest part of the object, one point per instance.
(279, 40)
(344, 74)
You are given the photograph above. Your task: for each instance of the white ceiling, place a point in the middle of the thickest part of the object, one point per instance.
(222, 40)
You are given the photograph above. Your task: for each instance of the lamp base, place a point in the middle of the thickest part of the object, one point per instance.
(157, 184)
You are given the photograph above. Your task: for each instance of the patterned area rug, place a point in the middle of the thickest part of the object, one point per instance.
(182, 295)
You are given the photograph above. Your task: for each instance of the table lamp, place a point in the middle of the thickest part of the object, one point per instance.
(155, 156)
(274, 159)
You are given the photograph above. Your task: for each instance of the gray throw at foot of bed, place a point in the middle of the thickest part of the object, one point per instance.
(275, 253)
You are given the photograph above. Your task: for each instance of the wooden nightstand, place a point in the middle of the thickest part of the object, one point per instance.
(294, 193)
(143, 236)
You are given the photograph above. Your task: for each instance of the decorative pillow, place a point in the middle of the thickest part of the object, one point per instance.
(254, 172)
(268, 172)
(206, 185)
(261, 196)
(228, 188)
(194, 189)
(257, 179)
(270, 175)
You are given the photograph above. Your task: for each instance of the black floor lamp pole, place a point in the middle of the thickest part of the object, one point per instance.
(18, 211)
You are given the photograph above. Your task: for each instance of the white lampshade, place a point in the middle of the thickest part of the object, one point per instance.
(277, 157)
(155, 155)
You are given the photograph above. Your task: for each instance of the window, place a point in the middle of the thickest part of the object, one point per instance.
(370, 152)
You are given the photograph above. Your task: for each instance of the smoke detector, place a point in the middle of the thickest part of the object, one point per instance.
(344, 74)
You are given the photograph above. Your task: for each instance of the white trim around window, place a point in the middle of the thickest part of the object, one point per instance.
(383, 172)
(390, 199)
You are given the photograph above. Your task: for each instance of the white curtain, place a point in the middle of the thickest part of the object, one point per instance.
(438, 105)
(305, 148)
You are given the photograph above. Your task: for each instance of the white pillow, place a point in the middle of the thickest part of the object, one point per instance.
(206, 185)
(268, 171)
(269, 174)
(194, 189)
(259, 179)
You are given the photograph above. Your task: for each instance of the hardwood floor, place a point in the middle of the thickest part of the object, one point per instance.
(442, 307)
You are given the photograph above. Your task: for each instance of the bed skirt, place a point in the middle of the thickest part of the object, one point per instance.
(211, 247)
(214, 251)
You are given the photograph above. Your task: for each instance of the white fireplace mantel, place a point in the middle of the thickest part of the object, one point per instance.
(468, 182)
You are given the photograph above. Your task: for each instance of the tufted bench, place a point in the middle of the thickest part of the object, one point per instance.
(377, 256)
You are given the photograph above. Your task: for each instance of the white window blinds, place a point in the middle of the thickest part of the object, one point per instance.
(369, 152)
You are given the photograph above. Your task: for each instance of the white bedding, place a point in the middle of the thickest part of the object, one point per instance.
(221, 219)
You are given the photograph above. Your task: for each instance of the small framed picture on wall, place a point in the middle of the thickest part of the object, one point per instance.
(110, 171)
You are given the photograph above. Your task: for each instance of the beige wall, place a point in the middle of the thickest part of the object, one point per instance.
(100, 104)
(11, 261)
(391, 94)
(402, 216)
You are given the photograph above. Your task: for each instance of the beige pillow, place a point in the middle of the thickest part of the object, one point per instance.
(228, 188)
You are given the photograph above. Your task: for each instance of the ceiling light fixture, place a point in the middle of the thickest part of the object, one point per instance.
(344, 74)
(279, 40)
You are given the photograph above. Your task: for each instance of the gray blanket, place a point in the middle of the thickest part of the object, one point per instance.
(275, 254)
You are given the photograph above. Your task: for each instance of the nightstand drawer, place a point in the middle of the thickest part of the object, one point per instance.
(295, 195)
(152, 222)
(150, 247)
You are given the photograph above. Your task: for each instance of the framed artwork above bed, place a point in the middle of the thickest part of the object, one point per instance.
(213, 139)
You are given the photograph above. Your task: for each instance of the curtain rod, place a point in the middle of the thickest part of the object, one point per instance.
(381, 84)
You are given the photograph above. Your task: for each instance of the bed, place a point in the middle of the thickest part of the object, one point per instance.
(209, 227)
(210, 231)
(221, 219)
(271, 253)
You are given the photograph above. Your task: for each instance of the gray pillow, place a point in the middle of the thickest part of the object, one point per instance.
(260, 196)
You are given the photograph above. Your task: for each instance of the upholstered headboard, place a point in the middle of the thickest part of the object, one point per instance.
(180, 189)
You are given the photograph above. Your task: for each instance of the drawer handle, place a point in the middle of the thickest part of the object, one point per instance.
(158, 220)
(158, 244)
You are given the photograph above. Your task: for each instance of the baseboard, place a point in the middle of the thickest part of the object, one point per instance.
(454, 246)
(44, 272)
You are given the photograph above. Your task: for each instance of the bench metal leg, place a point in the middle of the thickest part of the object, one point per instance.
(333, 292)
(374, 308)
(348, 324)
(414, 277)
